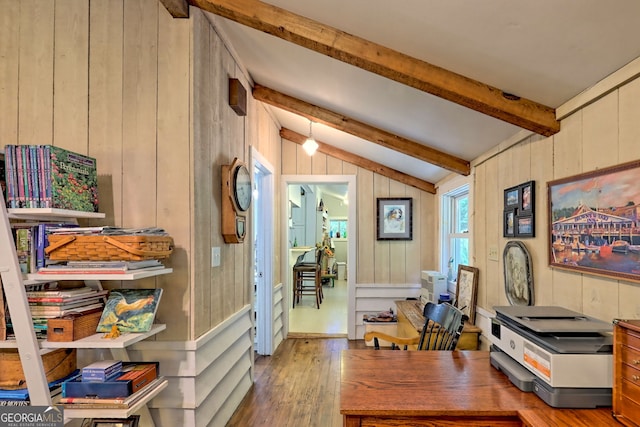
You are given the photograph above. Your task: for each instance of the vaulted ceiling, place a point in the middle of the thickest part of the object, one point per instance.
(419, 88)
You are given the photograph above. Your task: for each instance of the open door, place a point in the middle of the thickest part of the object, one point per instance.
(262, 240)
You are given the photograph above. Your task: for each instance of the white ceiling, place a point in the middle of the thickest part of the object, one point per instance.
(545, 50)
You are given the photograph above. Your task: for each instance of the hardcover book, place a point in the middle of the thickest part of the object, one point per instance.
(131, 310)
(73, 180)
(51, 177)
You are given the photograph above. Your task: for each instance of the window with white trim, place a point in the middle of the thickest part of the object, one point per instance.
(455, 244)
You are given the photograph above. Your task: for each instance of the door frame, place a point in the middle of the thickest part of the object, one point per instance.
(262, 254)
(350, 181)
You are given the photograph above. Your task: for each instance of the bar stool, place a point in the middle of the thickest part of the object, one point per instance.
(304, 272)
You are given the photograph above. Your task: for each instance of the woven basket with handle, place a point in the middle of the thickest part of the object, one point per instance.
(65, 247)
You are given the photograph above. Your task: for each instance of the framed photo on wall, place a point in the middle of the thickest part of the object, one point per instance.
(509, 223)
(512, 198)
(594, 226)
(527, 198)
(524, 226)
(394, 218)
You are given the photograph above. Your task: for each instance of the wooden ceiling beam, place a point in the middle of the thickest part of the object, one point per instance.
(177, 8)
(367, 164)
(361, 130)
(386, 62)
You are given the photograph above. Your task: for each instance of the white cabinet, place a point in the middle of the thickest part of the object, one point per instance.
(29, 348)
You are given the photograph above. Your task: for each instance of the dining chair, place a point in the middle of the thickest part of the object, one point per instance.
(305, 272)
(442, 328)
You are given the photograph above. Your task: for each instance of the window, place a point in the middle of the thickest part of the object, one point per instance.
(338, 228)
(455, 247)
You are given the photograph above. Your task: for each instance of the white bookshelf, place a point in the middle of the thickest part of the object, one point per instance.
(31, 349)
(134, 275)
(98, 341)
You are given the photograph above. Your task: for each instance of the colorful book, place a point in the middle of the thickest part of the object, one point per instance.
(101, 370)
(53, 312)
(58, 292)
(9, 155)
(73, 179)
(23, 240)
(131, 310)
(21, 203)
(68, 299)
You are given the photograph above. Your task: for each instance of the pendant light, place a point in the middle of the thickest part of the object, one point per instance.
(310, 145)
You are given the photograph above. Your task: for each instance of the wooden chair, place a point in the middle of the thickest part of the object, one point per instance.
(442, 328)
(304, 272)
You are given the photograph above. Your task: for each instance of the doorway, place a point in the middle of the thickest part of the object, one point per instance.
(262, 240)
(306, 219)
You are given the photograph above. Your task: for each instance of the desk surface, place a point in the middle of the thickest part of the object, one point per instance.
(386, 384)
(412, 310)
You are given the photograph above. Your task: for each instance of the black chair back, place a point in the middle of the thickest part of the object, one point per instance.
(442, 327)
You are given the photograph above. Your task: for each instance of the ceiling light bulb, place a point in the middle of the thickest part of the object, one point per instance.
(310, 146)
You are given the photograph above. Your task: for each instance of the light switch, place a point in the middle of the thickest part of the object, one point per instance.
(215, 256)
(493, 253)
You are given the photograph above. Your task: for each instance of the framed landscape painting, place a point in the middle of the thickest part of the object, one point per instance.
(594, 222)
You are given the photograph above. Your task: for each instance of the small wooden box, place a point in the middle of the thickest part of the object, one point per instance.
(57, 364)
(73, 327)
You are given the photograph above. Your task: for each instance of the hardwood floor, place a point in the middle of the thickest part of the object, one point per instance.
(299, 385)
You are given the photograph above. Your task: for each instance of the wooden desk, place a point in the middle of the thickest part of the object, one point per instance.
(411, 322)
(440, 388)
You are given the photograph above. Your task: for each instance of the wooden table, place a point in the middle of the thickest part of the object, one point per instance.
(440, 388)
(411, 322)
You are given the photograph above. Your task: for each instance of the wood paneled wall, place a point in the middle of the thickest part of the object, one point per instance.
(379, 262)
(606, 132)
(146, 95)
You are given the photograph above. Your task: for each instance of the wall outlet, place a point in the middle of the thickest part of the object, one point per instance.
(493, 253)
(215, 256)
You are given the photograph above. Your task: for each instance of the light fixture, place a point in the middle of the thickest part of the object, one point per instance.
(310, 145)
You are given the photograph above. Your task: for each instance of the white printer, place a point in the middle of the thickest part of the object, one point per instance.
(564, 357)
(433, 284)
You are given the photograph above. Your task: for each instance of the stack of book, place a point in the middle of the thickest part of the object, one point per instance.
(44, 176)
(57, 302)
(31, 239)
(95, 388)
(101, 267)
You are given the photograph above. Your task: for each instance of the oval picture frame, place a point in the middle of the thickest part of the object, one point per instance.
(518, 275)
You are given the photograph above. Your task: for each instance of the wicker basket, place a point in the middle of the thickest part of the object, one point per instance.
(65, 247)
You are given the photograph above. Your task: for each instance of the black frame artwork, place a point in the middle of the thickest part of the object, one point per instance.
(519, 211)
(394, 218)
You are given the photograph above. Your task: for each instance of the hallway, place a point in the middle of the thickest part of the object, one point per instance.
(330, 319)
(298, 386)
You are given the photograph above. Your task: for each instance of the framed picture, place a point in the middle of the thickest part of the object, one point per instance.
(132, 421)
(466, 291)
(394, 219)
(524, 226)
(518, 275)
(527, 198)
(512, 198)
(594, 222)
(508, 229)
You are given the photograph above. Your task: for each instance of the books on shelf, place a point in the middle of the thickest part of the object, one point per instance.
(111, 403)
(44, 312)
(101, 267)
(131, 310)
(101, 370)
(31, 239)
(45, 176)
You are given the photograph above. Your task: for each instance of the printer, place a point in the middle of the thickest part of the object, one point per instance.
(564, 357)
